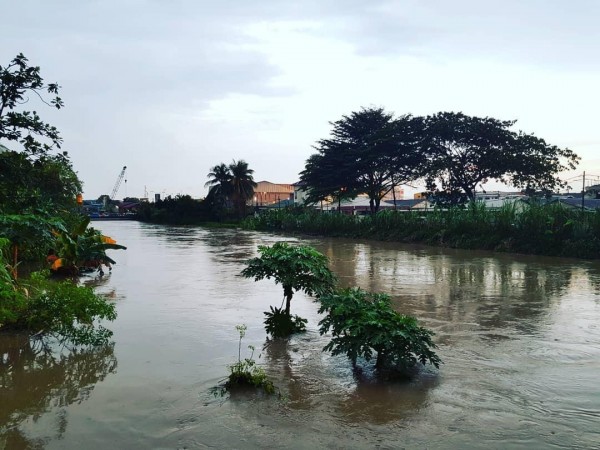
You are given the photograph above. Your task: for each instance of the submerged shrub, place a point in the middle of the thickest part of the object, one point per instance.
(280, 325)
(296, 268)
(364, 325)
(245, 372)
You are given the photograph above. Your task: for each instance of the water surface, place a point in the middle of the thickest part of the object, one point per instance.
(519, 336)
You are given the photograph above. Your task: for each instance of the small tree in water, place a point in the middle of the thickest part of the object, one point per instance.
(364, 325)
(296, 268)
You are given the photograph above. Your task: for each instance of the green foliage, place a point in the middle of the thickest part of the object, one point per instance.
(245, 373)
(231, 184)
(47, 183)
(281, 325)
(32, 233)
(296, 268)
(536, 228)
(64, 309)
(12, 300)
(67, 311)
(242, 186)
(178, 210)
(17, 81)
(369, 152)
(465, 151)
(83, 245)
(220, 188)
(364, 325)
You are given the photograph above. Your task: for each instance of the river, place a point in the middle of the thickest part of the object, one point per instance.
(519, 337)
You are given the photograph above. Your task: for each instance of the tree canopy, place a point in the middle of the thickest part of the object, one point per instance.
(46, 183)
(233, 182)
(243, 185)
(296, 268)
(369, 152)
(18, 81)
(467, 151)
(31, 177)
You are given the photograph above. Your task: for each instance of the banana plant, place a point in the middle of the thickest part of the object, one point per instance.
(83, 248)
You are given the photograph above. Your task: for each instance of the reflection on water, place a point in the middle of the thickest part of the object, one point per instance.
(519, 336)
(36, 378)
(351, 396)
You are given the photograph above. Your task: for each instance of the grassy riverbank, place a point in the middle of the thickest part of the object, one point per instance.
(534, 229)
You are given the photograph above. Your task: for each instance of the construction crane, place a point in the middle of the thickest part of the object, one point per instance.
(118, 183)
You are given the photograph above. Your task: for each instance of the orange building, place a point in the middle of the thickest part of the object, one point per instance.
(267, 193)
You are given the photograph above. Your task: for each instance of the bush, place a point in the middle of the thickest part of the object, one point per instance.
(280, 325)
(364, 325)
(62, 309)
(67, 311)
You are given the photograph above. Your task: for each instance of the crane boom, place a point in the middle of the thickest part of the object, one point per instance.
(118, 183)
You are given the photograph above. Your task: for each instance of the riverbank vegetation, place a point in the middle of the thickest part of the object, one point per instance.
(230, 188)
(40, 222)
(47, 307)
(180, 210)
(533, 228)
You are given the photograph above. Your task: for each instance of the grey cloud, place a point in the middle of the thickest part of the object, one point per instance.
(541, 32)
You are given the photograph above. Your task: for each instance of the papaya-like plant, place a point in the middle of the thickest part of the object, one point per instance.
(296, 268)
(364, 325)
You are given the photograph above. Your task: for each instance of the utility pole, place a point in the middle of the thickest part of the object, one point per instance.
(583, 193)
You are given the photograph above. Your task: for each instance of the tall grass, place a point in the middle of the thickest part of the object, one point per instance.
(516, 227)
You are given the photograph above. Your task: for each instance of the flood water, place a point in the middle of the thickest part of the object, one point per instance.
(519, 337)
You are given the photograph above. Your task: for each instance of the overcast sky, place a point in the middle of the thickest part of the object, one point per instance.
(172, 88)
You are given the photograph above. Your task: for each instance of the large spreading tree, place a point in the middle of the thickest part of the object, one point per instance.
(369, 152)
(465, 152)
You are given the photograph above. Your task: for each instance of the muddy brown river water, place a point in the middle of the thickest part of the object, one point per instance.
(519, 337)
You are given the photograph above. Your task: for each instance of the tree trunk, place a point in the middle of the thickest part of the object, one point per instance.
(380, 359)
(15, 262)
(470, 193)
(288, 292)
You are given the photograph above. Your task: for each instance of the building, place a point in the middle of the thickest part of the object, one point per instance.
(398, 191)
(299, 193)
(267, 193)
(593, 191)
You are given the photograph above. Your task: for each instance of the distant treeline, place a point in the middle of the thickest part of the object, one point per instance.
(518, 227)
(178, 210)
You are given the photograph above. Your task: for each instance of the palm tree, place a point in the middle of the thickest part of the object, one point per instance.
(219, 183)
(242, 184)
